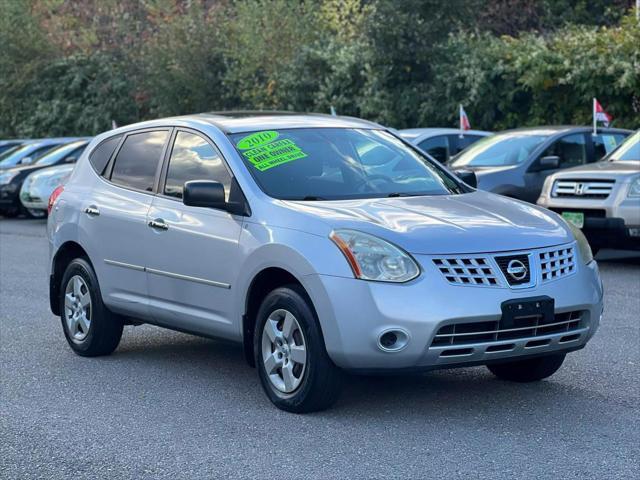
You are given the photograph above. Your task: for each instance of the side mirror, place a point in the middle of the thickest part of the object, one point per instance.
(549, 163)
(468, 177)
(204, 193)
(71, 160)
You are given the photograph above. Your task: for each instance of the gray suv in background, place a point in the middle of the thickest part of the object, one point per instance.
(515, 163)
(318, 243)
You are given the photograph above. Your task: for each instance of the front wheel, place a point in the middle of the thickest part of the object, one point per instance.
(90, 328)
(529, 370)
(294, 368)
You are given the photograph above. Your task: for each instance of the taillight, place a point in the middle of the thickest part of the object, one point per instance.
(54, 196)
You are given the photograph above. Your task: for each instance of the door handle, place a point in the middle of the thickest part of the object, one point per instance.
(92, 211)
(159, 224)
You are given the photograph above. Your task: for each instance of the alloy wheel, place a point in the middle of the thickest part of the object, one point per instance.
(77, 308)
(284, 351)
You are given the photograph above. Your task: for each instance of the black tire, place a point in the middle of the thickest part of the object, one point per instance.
(321, 380)
(10, 213)
(105, 328)
(530, 370)
(31, 213)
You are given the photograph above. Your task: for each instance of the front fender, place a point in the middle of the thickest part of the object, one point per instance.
(299, 253)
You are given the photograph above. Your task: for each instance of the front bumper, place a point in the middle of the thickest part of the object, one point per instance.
(9, 196)
(613, 222)
(354, 313)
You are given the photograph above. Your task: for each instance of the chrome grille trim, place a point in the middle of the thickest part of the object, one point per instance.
(464, 334)
(582, 188)
(557, 263)
(468, 270)
(482, 270)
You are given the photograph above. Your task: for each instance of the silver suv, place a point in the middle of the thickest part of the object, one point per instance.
(603, 198)
(321, 244)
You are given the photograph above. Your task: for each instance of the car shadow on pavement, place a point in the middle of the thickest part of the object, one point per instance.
(195, 366)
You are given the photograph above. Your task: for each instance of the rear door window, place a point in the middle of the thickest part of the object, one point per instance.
(137, 160)
(102, 153)
(571, 149)
(193, 158)
(437, 147)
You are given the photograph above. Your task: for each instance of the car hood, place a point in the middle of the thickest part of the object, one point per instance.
(480, 171)
(468, 223)
(620, 167)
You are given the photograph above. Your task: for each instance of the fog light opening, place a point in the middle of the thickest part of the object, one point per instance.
(393, 340)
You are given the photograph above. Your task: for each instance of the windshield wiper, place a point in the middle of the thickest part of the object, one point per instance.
(311, 198)
(398, 194)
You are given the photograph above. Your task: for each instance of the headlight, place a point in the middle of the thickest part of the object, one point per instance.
(7, 177)
(583, 245)
(372, 258)
(634, 188)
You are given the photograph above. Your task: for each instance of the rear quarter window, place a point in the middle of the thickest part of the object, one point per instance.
(102, 153)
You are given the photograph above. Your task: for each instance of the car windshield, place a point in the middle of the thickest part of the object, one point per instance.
(503, 149)
(58, 153)
(9, 151)
(628, 150)
(338, 164)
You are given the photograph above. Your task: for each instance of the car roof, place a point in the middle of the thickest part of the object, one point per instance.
(412, 133)
(247, 121)
(251, 121)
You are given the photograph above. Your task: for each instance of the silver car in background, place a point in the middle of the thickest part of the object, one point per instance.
(442, 143)
(603, 199)
(39, 185)
(320, 244)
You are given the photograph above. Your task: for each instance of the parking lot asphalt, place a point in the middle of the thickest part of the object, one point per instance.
(171, 405)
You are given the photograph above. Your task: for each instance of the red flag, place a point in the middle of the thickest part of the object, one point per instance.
(464, 120)
(599, 115)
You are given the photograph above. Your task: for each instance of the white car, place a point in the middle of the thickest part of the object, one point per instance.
(38, 186)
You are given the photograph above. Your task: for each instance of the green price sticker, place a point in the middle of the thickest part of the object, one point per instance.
(257, 139)
(264, 151)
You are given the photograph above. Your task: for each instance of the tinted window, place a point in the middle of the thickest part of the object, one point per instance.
(136, 163)
(62, 153)
(338, 163)
(571, 150)
(193, 158)
(437, 147)
(605, 143)
(461, 143)
(102, 153)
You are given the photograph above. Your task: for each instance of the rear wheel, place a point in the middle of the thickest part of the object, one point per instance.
(294, 368)
(90, 328)
(529, 370)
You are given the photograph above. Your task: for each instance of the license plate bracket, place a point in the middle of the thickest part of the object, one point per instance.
(516, 312)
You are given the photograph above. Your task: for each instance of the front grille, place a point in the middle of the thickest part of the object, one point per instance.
(557, 263)
(491, 331)
(467, 271)
(515, 268)
(582, 188)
